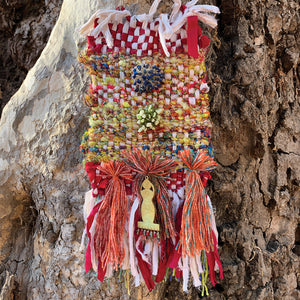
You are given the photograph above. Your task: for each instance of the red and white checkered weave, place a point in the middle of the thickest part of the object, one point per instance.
(132, 38)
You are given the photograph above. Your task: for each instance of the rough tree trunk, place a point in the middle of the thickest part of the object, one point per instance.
(25, 26)
(255, 189)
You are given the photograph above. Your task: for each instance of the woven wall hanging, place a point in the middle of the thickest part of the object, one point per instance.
(147, 151)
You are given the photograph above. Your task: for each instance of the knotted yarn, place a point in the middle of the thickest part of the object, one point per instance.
(112, 215)
(195, 234)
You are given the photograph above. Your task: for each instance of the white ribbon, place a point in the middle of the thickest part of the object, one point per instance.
(109, 270)
(137, 280)
(138, 242)
(133, 266)
(175, 204)
(87, 208)
(185, 273)
(105, 17)
(176, 10)
(212, 218)
(155, 258)
(165, 32)
(93, 254)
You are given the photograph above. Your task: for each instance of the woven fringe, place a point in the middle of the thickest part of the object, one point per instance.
(116, 244)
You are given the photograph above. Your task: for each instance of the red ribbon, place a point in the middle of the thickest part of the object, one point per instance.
(212, 259)
(195, 37)
(90, 220)
(192, 36)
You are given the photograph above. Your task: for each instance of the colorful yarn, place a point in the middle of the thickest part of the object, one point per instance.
(112, 215)
(182, 103)
(148, 148)
(195, 234)
(156, 168)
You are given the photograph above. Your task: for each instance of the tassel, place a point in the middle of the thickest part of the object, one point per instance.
(156, 168)
(196, 233)
(112, 214)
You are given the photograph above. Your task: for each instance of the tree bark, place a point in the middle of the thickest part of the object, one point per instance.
(254, 79)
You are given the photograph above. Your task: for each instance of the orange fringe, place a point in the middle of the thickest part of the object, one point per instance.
(157, 168)
(195, 234)
(112, 214)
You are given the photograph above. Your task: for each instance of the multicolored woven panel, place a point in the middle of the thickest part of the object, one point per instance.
(148, 150)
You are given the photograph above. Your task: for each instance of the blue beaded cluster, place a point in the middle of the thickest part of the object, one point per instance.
(147, 78)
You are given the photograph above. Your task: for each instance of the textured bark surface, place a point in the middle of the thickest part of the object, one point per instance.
(25, 26)
(255, 85)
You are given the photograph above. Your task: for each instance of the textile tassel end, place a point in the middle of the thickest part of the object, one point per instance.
(112, 214)
(196, 232)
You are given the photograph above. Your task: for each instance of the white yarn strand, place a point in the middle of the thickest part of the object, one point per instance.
(212, 218)
(194, 272)
(199, 264)
(185, 273)
(137, 280)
